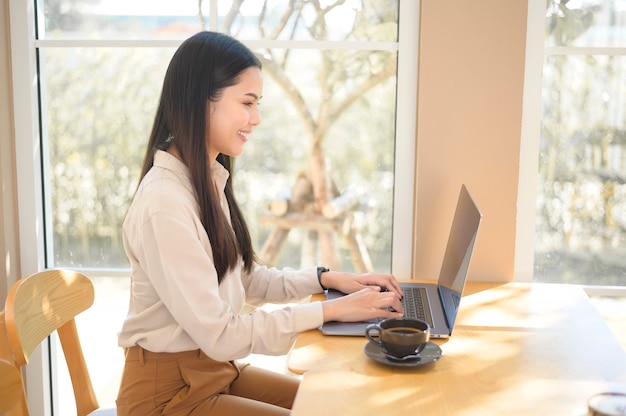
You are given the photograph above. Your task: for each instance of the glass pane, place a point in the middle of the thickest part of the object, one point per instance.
(375, 20)
(121, 19)
(586, 23)
(581, 223)
(99, 107)
(99, 104)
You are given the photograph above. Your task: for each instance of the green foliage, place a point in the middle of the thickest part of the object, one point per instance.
(565, 25)
(100, 103)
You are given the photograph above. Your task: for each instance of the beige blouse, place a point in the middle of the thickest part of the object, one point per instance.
(176, 303)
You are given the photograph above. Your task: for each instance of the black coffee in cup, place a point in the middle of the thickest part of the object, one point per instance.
(405, 330)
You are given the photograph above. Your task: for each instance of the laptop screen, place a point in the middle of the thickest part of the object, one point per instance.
(456, 260)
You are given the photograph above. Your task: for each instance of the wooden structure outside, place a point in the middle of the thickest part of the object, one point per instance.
(325, 219)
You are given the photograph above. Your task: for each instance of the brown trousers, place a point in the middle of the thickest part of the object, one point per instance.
(190, 383)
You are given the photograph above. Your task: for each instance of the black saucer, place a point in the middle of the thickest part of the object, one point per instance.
(429, 355)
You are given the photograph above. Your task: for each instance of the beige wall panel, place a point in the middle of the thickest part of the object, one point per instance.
(471, 76)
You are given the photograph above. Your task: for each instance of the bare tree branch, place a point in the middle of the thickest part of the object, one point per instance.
(289, 10)
(200, 15)
(320, 19)
(355, 94)
(262, 19)
(292, 94)
(229, 19)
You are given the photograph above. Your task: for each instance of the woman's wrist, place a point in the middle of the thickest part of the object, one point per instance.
(329, 310)
(320, 271)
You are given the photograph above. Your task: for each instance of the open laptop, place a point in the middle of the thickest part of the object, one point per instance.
(440, 300)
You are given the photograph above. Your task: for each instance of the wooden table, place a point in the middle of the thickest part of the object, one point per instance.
(517, 349)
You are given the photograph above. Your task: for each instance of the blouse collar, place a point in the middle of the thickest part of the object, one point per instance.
(167, 161)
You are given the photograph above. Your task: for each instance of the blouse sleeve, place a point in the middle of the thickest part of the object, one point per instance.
(265, 284)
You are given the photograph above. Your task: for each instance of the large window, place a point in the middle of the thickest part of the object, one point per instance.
(581, 194)
(334, 71)
(328, 123)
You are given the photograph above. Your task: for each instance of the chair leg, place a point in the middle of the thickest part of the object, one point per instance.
(86, 401)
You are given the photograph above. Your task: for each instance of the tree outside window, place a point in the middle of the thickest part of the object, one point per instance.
(581, 204)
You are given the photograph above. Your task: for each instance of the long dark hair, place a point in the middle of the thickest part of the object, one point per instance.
(201, 68)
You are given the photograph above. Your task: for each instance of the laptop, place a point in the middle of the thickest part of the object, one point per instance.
(435, 303)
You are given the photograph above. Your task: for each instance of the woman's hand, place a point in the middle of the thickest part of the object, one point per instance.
(353, 282)
(367, 303)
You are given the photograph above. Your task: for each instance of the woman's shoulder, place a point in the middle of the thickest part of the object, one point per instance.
(165, 184)
(164, 191)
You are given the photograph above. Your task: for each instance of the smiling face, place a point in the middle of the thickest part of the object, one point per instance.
(233, 116)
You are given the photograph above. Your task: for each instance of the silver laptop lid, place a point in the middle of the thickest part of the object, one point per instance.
(456, 259)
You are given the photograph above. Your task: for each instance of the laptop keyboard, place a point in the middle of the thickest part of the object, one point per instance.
(415, 304)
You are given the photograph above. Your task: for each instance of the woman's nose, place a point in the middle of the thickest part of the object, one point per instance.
(255, 117)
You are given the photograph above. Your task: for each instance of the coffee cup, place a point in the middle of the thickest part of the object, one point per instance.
(399, 337)
(607, 404)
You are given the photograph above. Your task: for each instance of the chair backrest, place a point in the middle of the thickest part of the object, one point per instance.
(39, 304)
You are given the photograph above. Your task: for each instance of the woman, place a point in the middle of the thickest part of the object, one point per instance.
(192, 262)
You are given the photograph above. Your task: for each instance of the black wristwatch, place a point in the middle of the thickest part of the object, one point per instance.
(320, 270)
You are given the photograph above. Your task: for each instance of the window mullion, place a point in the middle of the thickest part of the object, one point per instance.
(29, 179)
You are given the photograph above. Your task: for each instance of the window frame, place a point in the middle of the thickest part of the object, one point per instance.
(529, 145)
(30, 151)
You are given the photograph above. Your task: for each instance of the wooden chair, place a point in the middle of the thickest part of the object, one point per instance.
(12, 394)
(11, 387)
(39, 304)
